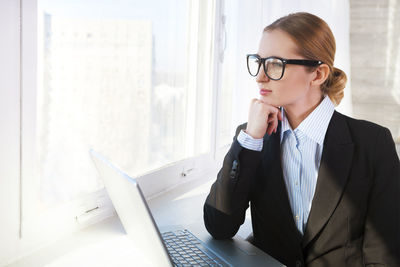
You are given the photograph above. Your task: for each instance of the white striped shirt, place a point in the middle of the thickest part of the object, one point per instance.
(301, 151)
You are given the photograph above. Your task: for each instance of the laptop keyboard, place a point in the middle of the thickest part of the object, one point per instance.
(186, 250)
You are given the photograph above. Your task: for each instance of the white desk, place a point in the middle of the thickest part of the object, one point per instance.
(105, 243)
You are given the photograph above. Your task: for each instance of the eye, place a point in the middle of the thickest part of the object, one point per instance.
(277, 64)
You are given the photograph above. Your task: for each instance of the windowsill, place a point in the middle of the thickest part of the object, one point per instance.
(106, 244)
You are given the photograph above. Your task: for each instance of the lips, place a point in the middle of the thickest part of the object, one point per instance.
(265, 91)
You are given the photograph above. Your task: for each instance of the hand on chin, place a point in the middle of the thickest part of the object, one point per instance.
(269, 100)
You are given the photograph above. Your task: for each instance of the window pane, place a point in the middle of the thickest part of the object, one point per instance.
(115, 77)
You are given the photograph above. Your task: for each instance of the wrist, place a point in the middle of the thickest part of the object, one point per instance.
(252, 135)
(246, 141)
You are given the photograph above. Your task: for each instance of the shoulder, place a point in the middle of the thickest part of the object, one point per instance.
(362, 126)
(358, 124)
(364, 131)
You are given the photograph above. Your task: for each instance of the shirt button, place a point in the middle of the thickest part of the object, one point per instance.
(298, 263)
(297, 217)
(296, 183)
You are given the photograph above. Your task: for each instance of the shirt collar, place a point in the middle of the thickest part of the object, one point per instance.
(315, 124)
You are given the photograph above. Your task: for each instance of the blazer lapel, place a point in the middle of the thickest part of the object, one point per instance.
(332, 176)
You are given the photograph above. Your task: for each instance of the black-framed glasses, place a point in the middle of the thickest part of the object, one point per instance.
(274, 67)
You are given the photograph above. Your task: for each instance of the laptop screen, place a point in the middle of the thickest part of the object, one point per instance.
(133, 211)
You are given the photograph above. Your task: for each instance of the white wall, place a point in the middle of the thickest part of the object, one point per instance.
(254, 15)
(10, 128)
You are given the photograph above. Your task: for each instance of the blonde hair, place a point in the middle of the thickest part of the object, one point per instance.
(315, 41)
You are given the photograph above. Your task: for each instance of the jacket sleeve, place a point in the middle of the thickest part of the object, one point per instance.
(226, 204)
(381, 245)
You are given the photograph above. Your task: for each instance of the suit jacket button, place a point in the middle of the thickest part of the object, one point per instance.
(298, 263)
(234, 169)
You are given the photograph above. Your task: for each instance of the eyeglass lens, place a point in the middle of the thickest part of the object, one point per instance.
(273, 67)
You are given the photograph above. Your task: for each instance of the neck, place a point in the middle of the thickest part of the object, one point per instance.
(297, 112)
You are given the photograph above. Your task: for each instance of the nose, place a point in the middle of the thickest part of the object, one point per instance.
(261, 77)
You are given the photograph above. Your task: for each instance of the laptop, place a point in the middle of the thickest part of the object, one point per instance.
(176, 246)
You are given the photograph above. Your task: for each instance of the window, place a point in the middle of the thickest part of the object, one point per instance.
(130, 79)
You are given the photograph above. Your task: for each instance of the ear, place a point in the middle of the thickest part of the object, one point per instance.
(322, 73)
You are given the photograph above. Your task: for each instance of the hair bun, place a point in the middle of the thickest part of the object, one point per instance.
(335, 84)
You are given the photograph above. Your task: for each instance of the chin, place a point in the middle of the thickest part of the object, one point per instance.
(271, 101)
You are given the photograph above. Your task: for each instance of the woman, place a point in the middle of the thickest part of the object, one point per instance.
(324, 188)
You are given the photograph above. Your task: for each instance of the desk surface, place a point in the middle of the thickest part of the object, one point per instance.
(106, 244)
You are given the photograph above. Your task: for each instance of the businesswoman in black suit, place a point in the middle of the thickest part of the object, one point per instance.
(324, 188)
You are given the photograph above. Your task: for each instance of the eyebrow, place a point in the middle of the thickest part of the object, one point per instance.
(270, 56)
(295, 51)
(290, 57)
(273, 55)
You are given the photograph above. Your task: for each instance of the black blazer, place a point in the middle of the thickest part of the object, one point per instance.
(355, 213)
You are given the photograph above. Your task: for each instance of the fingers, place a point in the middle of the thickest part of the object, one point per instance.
(272, 123)
(263, 118)
(270, 129)
(272, 126)
(280, 117)
(273, 117)
(275, 124)
(273, 110)
(254, 100)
